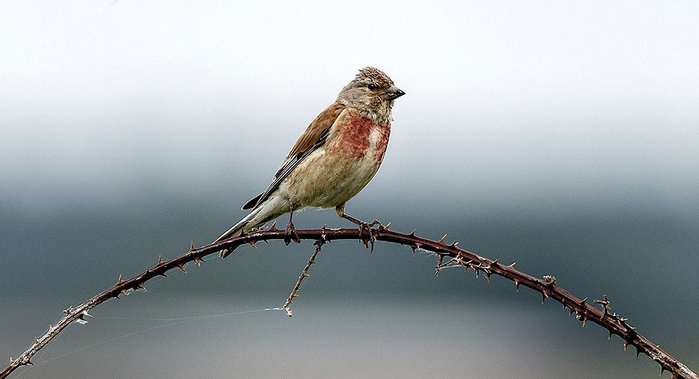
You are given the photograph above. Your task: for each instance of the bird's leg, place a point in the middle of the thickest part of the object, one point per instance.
(290, 232)
(340, 210)
(364, 228)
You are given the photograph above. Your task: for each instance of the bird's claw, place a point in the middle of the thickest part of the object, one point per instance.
(366, 233)
(290, 234)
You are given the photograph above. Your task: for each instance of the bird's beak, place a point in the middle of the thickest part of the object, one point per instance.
(394, 92)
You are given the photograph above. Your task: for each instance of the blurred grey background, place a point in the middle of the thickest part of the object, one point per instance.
(561, 135)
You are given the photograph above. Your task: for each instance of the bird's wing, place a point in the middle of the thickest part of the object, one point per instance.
(314, 137)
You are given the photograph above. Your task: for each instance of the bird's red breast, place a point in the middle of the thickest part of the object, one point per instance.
(345, 164)
(361, 136)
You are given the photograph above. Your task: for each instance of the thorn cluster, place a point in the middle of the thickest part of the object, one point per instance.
(605, 305)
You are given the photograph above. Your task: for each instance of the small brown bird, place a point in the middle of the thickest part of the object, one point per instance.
(334, 158)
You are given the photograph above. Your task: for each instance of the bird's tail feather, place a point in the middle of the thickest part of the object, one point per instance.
(269, 210)
(237, 229)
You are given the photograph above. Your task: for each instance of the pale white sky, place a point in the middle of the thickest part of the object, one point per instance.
(563, 96)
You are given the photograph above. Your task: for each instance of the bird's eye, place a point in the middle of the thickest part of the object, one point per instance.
(371, 86)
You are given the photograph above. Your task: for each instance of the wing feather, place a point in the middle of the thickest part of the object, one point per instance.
(313, 138)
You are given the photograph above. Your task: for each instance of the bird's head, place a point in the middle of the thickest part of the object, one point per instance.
(371, 92)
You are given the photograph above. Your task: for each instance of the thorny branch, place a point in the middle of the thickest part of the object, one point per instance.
(448, 255)
(304, 275)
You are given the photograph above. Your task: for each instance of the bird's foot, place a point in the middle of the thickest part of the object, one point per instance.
(290, 234)
(365, 229)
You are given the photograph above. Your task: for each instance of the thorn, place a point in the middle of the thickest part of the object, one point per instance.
(142, 287)
(455, 245)
(439, 265)
(516, 284)
(225, 252)
(544, 295)
(605, 305)
(181, 266)
(441, 241)
(198, 260)
(253, 243)
(160, 260)
(387, 225)
(418, 245)
(82, 318)
(630, 329)
(610, 334)
(584, 320)
(468, 264)
(626, 345)
(495, 262)
(412, 234)
(413, 247)
(512, 265)
(550, 280)
(191, 246)
(365, 240)
(119, 281)
(582, 302)
(273, 228)
(11, 361)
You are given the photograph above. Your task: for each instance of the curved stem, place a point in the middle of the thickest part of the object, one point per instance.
(448, 255)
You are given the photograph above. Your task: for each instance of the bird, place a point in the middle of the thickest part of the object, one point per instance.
(332, 161)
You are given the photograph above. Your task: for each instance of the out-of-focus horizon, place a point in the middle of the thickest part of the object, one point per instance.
(563, 136)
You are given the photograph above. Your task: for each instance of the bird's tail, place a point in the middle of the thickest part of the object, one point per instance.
(268, 210)
(243, 225)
